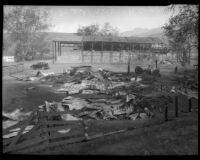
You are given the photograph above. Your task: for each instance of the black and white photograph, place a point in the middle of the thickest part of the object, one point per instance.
(100, 80)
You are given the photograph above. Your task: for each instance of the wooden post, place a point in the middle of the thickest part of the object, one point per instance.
(190, 104)
(120, 54)
(111, 54)
(102, 52)
(92, 53)
(60, 48)
(128, 69)
(166, 113)
(176, 106)
(57, 50)
(82, 48)
(156, 63)
(53, 52)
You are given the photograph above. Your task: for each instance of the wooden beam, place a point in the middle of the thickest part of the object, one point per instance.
(102, 52)
(92, 53)
(53, 51)
(60, 47)
(82, 48)
(111, 53)
(120, 53)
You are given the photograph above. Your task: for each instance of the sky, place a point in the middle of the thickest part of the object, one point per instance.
(125, 18)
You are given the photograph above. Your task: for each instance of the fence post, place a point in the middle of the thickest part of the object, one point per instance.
(166, 113)
(176, 106)
(190, 104)
(128, 67)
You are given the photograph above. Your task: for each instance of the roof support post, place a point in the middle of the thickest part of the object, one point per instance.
(102, 52)
(55, 51)
(52, 44)
(120, 53)
(92, 47)
(111, 53)
(82, 48)
(60, 48)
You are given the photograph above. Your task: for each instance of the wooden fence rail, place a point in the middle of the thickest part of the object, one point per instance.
(12, 69)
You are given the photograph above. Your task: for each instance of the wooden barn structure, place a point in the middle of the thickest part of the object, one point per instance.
(105, 48)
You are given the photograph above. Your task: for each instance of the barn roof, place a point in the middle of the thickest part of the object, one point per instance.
(121, 39)
(68, 37)
(104, 39)
(73, 37)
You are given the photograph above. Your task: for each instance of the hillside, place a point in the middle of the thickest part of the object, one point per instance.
(134, 32)
(142, 32)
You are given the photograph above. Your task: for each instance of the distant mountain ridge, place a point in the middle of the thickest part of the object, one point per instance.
(134, 32)
(143, 32)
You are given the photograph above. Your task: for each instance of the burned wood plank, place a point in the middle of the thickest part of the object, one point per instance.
(69, 141)
(36, 133)
(24, 144)
(51, 129)
(12, 144)
(32, 149)
(60, 122)
(68, 135)
(53, 144)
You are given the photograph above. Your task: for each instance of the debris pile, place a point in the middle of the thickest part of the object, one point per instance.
(130, 107)
(40, 65)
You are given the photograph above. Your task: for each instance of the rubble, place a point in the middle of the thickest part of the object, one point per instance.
(123, 96)
(74, 103)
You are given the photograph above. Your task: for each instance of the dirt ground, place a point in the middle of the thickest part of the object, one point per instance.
(178, 136)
